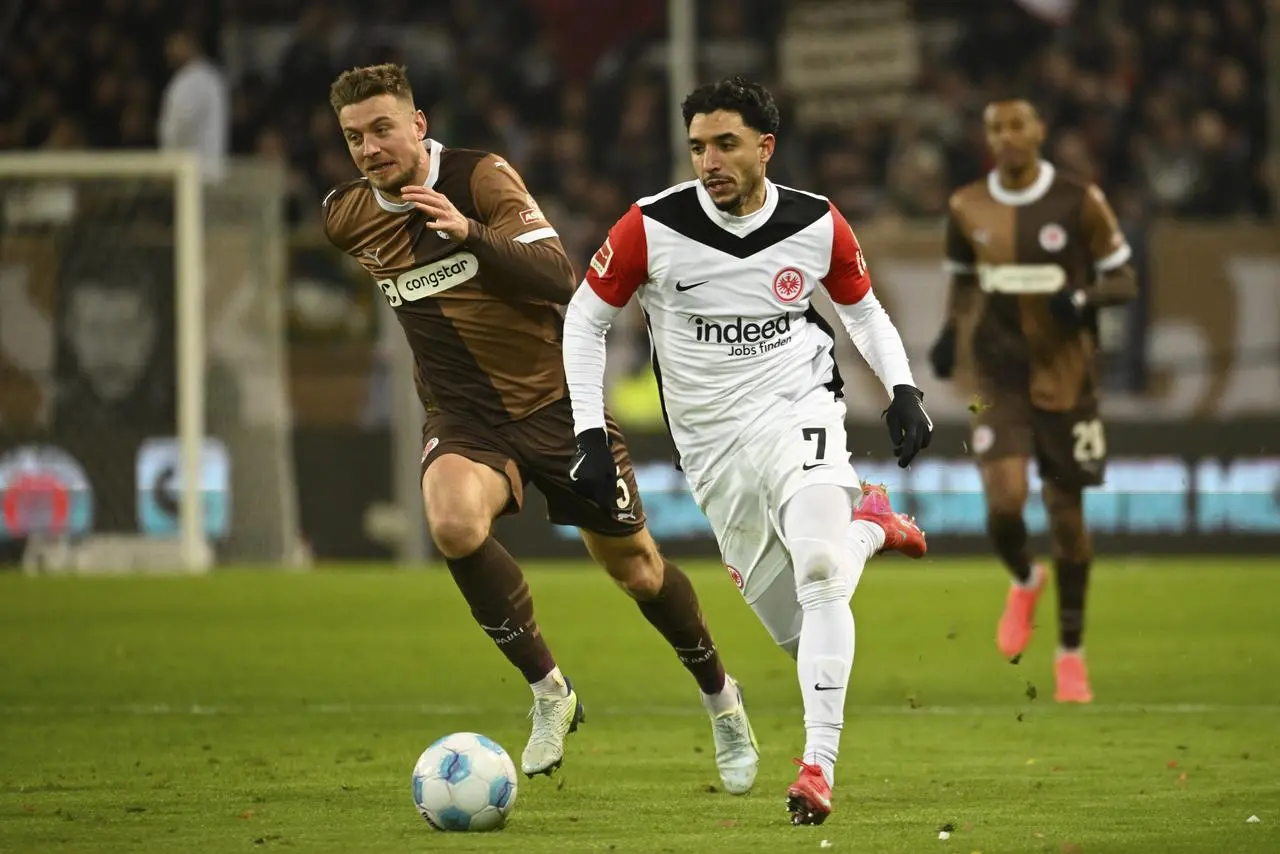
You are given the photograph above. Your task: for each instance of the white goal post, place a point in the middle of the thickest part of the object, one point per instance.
(50, 203)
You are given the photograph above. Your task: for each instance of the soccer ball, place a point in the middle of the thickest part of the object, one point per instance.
(464, 781)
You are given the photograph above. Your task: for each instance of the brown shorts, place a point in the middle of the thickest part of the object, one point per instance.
(539, 449)
(1070, 447)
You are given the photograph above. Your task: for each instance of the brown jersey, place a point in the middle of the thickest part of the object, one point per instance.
(485, 346)
(1022, 247)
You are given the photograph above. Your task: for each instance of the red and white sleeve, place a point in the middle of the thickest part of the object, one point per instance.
(847, 279)
(616, 271)
(863, 317)
(621, 265)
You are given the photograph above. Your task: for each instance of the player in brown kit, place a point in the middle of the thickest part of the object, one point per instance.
(1033, 255)
(477, 277)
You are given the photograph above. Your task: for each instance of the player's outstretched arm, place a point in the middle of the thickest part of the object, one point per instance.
(848, 283)
(877, 339)
(616, 271)
(586, 326)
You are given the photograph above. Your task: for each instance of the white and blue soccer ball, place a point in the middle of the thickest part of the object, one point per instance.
(465, 781)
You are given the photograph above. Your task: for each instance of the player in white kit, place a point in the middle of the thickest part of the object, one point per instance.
(726, 268)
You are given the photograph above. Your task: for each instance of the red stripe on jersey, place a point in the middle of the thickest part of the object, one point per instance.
(847, 279)
(621, 265)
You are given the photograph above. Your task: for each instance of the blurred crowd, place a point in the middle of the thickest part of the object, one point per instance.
(1161, 101)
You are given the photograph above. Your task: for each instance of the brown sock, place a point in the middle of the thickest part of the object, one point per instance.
(1008, 534)
(494, 587)
(1073, 551)
(675, 613)
(1073, 584)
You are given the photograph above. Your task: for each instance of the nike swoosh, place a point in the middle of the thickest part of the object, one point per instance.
(682, 287)
(820, 687)
(809, 467)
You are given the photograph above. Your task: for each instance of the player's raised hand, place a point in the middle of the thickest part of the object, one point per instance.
(910, 429)
(593, 472)
(443, 216)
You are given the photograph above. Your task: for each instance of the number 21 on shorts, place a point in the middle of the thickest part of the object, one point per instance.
(1090, 441)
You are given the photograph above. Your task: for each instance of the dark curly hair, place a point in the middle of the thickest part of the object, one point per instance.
(738, 95)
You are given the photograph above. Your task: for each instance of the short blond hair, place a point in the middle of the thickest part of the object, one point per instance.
(360, 84)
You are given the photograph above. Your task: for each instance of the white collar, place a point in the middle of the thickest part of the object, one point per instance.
(1026, 195)
(433, 174)
(739, 225)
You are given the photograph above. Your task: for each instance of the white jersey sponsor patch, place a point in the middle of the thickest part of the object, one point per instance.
(430, 279)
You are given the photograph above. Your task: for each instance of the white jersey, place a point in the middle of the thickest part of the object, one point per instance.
(729, 304)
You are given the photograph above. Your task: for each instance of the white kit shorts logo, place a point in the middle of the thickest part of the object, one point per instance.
(429, 280)
(983, 439)
(738, 580)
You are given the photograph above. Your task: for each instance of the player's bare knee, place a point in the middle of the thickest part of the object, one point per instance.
(633, 562)
(643, 581)
(1075, 549)
(1070, 538)
(1004, 484)
(457, 533)
(1067, 527)
(461, 498)
(1005, 499)
(639, 573)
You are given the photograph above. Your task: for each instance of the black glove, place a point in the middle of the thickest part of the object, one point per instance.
(1068, 306)
(910, 429)
(593, 471)
(942, 355)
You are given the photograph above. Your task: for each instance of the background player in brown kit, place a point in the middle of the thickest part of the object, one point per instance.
(476, 276)
(1033, 255)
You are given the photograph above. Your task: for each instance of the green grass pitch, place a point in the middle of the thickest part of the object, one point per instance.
(259, 711)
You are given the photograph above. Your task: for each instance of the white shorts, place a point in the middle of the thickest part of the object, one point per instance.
(743, 497)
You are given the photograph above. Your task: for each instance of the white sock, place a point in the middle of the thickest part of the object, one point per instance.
(823, 664)
(726, 700)
(865, 539)
(551, 685)
(827, 556)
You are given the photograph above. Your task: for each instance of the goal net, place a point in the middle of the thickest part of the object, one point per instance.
(144, 411)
